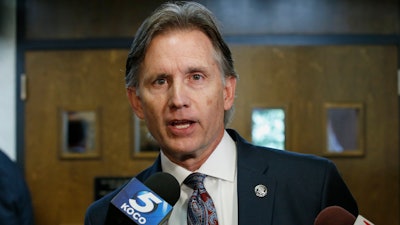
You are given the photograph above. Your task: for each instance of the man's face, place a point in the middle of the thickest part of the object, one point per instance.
(182, 96)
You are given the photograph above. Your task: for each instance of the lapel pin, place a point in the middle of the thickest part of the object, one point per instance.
(261, 190)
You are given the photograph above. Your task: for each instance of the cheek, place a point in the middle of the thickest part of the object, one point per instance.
(209, 101)
(150, 109)
(216, 102)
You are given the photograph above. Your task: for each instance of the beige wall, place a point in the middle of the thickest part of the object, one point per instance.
(8, 77)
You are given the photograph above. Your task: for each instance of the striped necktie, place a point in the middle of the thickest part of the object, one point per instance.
(201, 210)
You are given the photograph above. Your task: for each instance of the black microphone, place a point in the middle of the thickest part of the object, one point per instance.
(148, 203)
(336, 215)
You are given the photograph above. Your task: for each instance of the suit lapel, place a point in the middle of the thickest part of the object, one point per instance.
(253, 171)
(254, 209)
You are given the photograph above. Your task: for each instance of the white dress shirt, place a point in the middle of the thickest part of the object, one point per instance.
(220, 183)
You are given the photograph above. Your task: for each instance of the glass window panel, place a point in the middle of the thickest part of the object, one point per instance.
(79, 133)
(268, 127)
(342, 129)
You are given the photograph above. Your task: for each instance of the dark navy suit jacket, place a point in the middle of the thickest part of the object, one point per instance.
(15, 200)
(298, 187)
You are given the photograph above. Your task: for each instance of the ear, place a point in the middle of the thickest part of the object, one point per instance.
(229, 92)
(135, 102)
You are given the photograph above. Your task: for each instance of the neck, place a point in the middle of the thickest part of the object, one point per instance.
(193, 161)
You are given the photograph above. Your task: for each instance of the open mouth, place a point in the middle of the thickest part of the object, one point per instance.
(181, 124)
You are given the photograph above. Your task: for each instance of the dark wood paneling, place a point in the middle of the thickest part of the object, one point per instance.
(60, 19)
(307, 16)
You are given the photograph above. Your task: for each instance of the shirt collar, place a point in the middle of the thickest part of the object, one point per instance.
(221, 163)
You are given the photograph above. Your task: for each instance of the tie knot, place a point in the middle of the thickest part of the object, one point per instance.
(195, 180)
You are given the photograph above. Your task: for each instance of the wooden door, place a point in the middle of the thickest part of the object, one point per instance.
(62, 184)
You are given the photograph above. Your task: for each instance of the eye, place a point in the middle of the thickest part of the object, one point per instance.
(197, 76)
(160, 81)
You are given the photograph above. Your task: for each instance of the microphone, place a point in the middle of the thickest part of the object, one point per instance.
(336, 215)
(149, 203)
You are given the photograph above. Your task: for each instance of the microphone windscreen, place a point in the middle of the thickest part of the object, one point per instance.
(334, 215)
(165, 185)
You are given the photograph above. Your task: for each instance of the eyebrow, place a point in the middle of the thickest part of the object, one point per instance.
(190, 69)
(193, 69)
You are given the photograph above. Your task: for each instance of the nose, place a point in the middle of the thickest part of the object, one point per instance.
(178, 96)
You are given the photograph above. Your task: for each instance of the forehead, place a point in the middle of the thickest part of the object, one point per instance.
(178, 38)
(177, 46)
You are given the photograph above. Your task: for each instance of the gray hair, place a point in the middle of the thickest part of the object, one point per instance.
(179, 15)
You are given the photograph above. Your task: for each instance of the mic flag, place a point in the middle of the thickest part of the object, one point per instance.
(362, 221)
(142, 205)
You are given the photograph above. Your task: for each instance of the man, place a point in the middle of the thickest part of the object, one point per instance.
(15, 200)
(181, 81)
